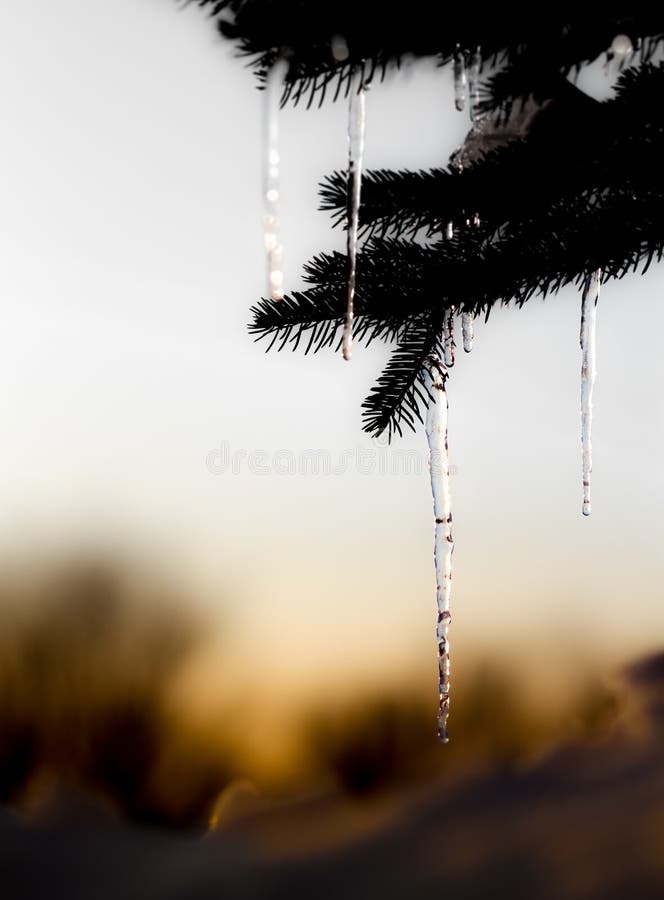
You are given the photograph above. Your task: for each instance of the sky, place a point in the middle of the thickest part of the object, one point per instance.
(130, 253)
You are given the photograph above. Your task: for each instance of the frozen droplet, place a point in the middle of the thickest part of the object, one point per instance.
(467, 330)
(356, 126)
(588, 372)
(448, 339)
(474, 83)
(340, 52)
(271, 161)
(277, 284)
(436, 429)
(459, 78)
(621, 47)
(449, 231)
(476, 220)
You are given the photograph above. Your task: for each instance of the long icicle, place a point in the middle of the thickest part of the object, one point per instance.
(356, 126)
(588, 372)
(460, 80)
(436, 429)
(271, 176)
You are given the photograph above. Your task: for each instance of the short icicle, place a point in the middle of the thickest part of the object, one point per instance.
(460, 80)
(588, 372)
(436, 428)
(467, 330)
(271, 166)
(356, 125)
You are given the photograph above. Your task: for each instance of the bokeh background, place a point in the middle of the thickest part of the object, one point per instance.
(209, 575)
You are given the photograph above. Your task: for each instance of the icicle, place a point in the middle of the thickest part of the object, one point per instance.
(273, 246)
(459, 78)
(474, 84)
(448, 339)
(588, 372)
(449, 231)
(436, 428)
(356, 124)
(467, 331)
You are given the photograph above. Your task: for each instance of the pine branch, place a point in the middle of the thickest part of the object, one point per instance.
(562, 185)
(626, 147)
(398, 279)
(539, 42)
(507, 186)
(536, 71)
(400, 390)
(403, 286)
(601, 207)
(318, 314)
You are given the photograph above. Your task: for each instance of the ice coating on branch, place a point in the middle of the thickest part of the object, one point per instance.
(488, 134)
(459, 78)
(467, 331)
(588, 371)
(448, 339)
(474, 84)
(436, 429)
(356, 124)
(271, 189)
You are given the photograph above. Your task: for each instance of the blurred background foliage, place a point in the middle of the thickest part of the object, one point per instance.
(91, 663)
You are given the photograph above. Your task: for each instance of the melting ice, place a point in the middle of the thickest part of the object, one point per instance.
(271, 189)
(436, 429)
(588, 371)
(460, 80)
(356, 127)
